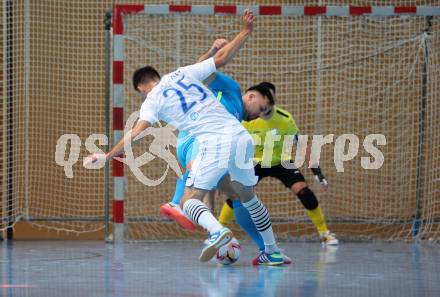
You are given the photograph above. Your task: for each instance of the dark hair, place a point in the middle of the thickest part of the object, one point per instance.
(265, 91)
(144, 75)
(268, 85)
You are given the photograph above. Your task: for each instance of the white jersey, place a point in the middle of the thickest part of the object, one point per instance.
(182, 100)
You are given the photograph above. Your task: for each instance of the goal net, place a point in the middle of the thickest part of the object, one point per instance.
(52, 84)
(351, 74)
(338, 70)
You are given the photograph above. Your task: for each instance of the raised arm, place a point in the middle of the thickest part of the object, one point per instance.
(216, 46)
(202, 70)
(225, 54)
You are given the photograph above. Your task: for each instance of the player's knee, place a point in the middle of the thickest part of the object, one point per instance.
(298, 187)
(245, 193)
(225, 186)
(308, 199)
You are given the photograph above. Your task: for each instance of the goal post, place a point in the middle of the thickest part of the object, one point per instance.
(339, 70)
(345, 73)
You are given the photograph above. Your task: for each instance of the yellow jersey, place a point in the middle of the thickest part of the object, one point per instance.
(269, 136)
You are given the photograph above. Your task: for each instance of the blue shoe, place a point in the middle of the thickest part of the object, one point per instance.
(286, 259)
(270, 259)
(216, 240)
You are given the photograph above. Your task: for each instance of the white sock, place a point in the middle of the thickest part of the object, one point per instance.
(262, 221)
(199, 213)
(273, 248)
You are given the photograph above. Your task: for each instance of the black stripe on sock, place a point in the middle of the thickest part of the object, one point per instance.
(259, 212)
(261, 221)
(252, 205)
(262, 224)
(265, 228)
(198, 212)
(194, 210)
(260, 216)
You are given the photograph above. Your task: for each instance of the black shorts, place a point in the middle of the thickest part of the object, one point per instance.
(287, 176)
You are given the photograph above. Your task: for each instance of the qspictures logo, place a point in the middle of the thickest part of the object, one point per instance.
(346, 148)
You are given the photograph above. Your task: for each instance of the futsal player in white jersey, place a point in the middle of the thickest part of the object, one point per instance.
(225, 147)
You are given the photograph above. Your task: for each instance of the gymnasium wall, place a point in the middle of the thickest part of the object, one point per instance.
(61, 88)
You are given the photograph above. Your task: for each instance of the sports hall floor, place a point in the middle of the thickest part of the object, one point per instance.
(84, 268)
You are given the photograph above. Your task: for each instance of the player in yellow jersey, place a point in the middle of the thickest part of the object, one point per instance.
(272, 162)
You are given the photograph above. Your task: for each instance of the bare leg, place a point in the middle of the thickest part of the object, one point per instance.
(209, 199)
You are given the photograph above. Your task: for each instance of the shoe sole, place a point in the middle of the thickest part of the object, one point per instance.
(209, 252)
(278, 263)
(255, 263)
(178, 218)
(272, 263)
(330, 244)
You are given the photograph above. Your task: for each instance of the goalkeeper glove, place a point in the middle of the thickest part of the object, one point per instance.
(319, 177)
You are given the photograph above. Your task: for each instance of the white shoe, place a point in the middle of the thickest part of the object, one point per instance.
(216, 240)
(328, 238)
(206, 242)
(286, 259)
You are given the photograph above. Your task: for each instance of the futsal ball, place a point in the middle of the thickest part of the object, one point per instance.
(229, 253)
